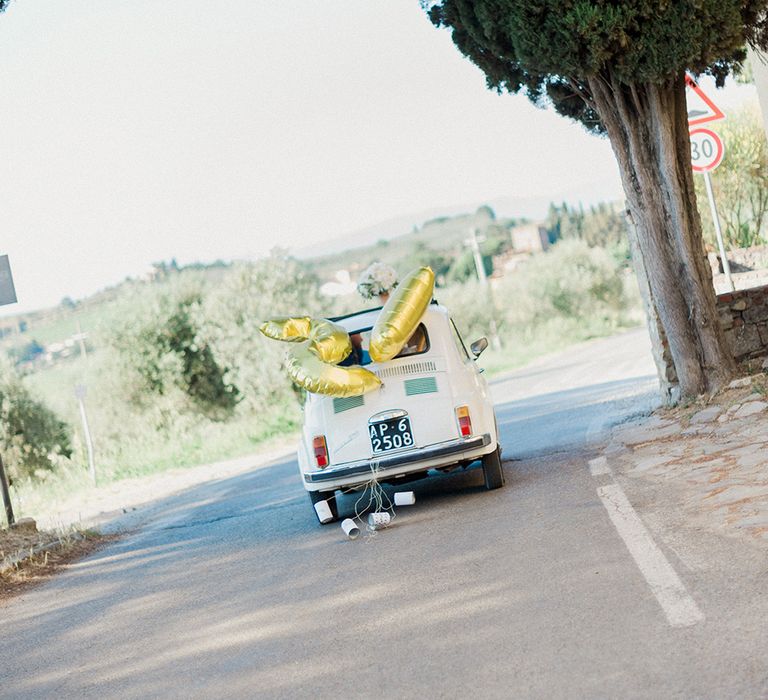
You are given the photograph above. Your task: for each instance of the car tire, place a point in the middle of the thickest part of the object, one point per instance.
(330, 498)
(492, 470)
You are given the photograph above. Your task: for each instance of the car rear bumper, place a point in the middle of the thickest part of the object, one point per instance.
(415, 459)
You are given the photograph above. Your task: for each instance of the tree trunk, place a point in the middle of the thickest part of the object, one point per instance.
(648, 128)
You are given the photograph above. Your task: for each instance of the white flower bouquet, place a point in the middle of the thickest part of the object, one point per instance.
(379, 278)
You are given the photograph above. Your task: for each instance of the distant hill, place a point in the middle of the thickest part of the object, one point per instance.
(438, 242)
(437, 239)
(518, 208)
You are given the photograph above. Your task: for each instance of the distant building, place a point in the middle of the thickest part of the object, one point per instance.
(529, 238)
(12, 326)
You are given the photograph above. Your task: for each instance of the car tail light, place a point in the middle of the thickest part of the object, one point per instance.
(465, 422)
(321, 451)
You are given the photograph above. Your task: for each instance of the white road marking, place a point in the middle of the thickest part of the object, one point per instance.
(681, 610)
(599, 466)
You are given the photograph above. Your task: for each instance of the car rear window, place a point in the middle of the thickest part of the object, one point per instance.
(417, 344)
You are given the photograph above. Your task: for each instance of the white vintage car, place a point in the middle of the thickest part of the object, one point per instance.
(433, 411)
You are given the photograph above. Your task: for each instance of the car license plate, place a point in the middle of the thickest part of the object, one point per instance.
(392, 434)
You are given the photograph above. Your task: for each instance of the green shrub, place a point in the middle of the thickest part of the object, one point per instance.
(573, 291)
(33, 439)
(740, 184)
(163, 354)
(571, 280)
(248, 295)
(470, 309)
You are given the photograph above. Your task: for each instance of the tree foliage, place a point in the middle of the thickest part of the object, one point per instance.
(619, 69)
(163, 352)
(28, 352)
(33, 439)
(602, 225)
(250, 294)
(547, 49)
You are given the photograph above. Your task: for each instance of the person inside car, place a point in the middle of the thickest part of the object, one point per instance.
(359, 355)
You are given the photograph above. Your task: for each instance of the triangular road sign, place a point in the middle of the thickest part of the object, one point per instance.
(700, 108)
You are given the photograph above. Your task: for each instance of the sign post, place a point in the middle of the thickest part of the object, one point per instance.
(707, 151)
(7, 296)
(80, 391)
(718, 231)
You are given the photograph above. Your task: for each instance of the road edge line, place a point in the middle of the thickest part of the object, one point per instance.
(670, 592)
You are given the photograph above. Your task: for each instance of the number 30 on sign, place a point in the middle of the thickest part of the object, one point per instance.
(707, 150)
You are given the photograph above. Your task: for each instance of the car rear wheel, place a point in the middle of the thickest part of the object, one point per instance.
(492, 471)
(330, 498)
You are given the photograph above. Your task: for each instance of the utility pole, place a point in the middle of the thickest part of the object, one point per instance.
(80, 392)
(6, 495)
(80, 337)
(474, 243)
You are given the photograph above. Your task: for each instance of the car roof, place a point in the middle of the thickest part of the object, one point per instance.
(358, 320)
(362, 320)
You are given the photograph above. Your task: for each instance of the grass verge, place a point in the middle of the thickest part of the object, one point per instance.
(42, 554)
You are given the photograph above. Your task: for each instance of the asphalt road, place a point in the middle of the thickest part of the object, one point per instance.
(570, 399)
(528, 591)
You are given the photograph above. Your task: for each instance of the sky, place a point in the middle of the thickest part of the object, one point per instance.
(136, 131)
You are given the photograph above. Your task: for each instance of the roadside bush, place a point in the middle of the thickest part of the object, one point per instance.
(573, 291)
(470, 309)
(33, 439)
(248, 295)
(572, 280)
(163, 353)
(740, 184)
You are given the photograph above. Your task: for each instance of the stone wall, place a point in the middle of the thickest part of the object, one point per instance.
(741, 259)
(749, 268)
(744, 316)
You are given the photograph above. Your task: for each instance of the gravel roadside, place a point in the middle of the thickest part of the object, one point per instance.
(711, 458)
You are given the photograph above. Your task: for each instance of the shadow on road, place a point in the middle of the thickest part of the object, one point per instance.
(561, 419)
(195, 602)
(136, 618)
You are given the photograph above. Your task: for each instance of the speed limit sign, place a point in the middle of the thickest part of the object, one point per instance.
(707, 150)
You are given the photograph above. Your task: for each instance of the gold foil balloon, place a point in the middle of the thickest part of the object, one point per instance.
(401, 314)
(329, 341)
(313, 365)
(319, 377)
(292, 330)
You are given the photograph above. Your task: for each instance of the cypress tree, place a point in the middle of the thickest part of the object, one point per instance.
(618, 68)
